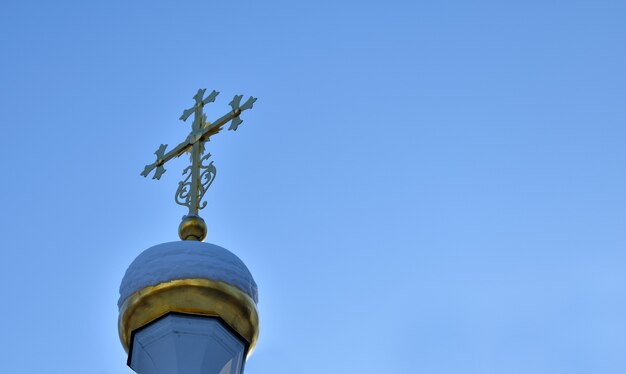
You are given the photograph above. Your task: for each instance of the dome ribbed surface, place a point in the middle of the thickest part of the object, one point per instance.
(184, 260)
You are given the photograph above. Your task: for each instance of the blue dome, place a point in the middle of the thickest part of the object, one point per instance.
(184, 260)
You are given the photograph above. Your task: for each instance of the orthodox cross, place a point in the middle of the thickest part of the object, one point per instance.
(199, 175)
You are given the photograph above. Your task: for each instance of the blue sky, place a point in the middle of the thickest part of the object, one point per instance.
(422, 186)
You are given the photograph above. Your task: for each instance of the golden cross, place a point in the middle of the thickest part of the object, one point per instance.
(199, 175)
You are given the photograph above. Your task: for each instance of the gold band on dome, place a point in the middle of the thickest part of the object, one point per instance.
(195, 296)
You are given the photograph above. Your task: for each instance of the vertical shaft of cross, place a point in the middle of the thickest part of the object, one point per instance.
(195, 179)
(192, 226)
(195, 160)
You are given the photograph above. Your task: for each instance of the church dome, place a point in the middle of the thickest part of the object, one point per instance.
(184, 260)
(188, 277)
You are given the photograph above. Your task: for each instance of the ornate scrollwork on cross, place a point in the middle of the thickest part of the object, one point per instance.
(207, 175)
(182, 196)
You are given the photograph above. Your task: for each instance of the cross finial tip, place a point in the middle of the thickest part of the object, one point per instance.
(198, 96)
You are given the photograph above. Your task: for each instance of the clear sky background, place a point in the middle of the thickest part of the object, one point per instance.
(422, 186)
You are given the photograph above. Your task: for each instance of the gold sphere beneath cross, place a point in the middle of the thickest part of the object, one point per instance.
(192, 228)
